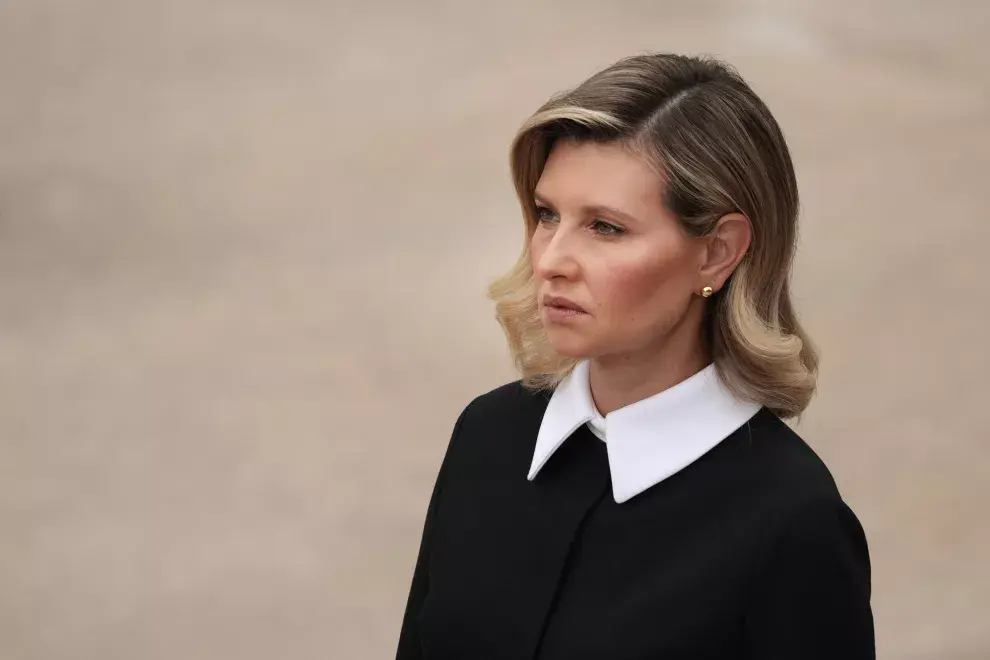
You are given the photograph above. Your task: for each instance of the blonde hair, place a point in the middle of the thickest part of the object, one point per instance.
(719, 151)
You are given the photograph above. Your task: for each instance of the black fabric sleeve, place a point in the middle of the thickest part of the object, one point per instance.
(814, 600)
(410, 647)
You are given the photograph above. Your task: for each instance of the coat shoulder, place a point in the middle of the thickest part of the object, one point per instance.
(786, 464)
(501, 424)
(506, 403)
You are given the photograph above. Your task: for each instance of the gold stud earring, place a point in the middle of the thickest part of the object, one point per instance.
(707, 291)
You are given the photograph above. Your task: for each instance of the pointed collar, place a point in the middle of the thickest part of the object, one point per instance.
(649, 440)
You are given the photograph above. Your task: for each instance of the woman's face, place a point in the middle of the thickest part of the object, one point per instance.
(605, 242)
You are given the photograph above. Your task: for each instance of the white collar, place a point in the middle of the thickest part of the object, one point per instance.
(649, 440)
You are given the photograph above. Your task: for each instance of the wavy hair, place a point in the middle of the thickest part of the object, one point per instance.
(719, 150)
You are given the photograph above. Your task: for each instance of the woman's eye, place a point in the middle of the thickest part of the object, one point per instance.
(543, 214)
(605, 229)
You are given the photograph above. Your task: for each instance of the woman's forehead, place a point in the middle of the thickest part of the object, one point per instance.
(600, 174)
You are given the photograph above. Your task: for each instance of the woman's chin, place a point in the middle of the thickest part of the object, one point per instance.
(569, 345)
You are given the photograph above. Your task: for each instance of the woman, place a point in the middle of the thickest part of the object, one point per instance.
(636, 494)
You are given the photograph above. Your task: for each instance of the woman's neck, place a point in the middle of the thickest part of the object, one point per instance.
(619, 380)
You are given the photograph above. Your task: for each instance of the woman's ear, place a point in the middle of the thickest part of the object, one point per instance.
(725, 248)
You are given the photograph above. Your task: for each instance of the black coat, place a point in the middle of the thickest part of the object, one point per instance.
(749, 552)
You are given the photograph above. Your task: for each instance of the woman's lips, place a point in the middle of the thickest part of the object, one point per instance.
(559, 301)
(562, 314)
(561, 310)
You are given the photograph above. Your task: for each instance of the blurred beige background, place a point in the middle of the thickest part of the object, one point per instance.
(243, 254)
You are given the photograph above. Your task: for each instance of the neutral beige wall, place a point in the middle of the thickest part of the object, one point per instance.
(243, 250)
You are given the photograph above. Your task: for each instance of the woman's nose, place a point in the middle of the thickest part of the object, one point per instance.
(558, 257)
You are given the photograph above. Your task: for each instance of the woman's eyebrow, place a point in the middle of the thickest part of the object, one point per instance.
(593, 209)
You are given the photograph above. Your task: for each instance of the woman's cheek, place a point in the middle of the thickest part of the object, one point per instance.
(616, 295)
(628, 283)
